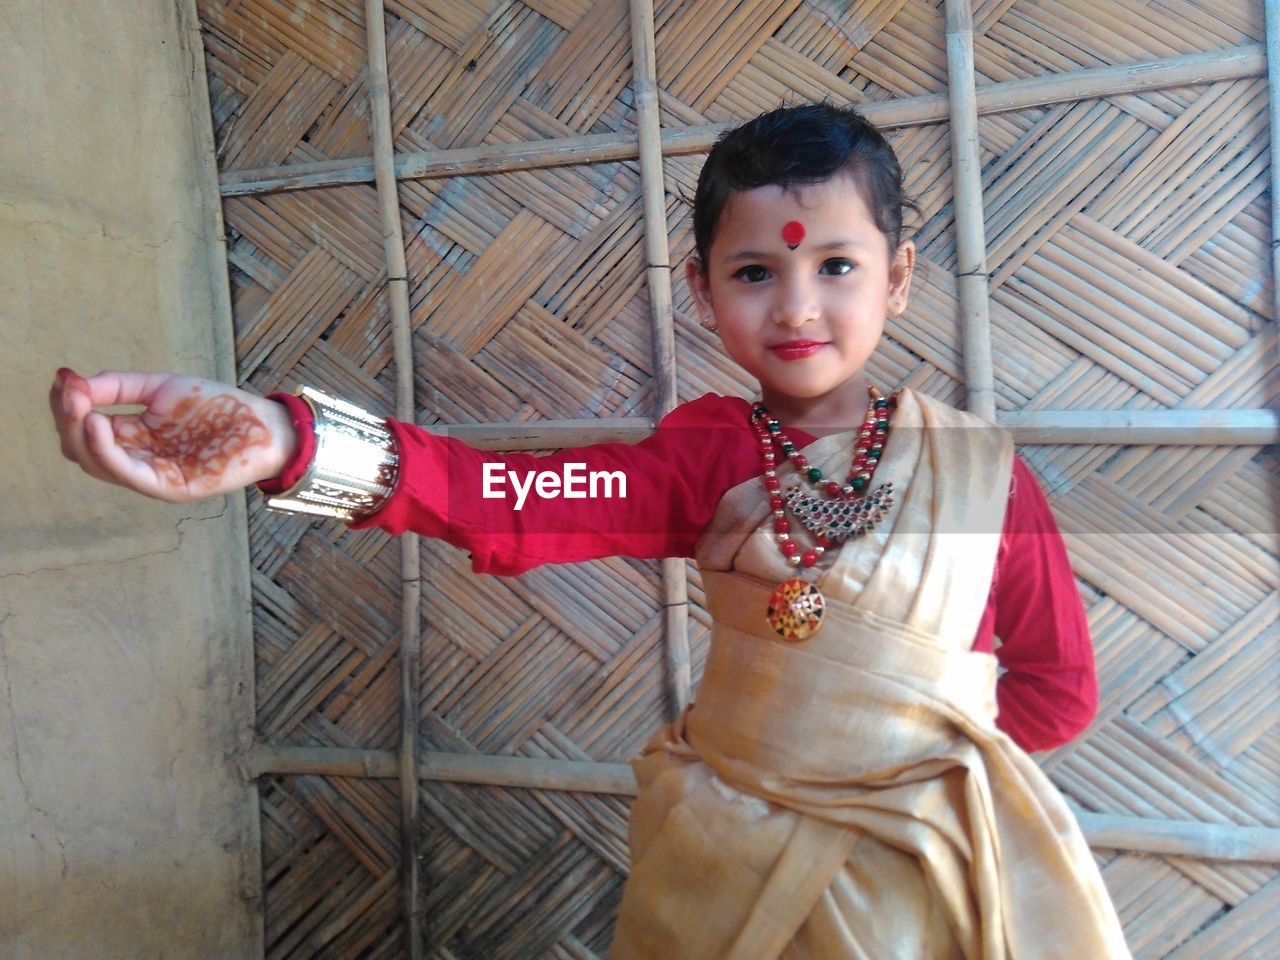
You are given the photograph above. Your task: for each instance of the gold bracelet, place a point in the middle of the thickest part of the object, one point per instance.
(354, 468)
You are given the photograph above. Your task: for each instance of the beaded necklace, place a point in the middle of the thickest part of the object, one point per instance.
(846, 511)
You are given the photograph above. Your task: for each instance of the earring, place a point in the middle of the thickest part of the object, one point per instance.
(709, 325)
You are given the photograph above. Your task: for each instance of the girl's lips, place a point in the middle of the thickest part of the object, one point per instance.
(797, 349)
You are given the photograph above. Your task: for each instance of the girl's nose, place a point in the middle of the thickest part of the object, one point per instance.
(796, 303)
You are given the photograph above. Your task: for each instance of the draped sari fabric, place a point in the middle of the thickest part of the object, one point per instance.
(850, 796)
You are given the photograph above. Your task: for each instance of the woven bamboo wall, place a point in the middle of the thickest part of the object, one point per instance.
(1128, 240)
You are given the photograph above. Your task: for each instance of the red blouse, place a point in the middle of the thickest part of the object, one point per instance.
(674, 480)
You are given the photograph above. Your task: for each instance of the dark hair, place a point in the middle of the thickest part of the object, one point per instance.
(791, 146)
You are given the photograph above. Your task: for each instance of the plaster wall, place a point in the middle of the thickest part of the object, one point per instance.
(125, 651)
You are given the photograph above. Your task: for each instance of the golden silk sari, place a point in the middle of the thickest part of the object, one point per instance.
(850, 795)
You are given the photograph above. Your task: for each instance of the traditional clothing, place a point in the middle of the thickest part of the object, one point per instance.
(851, 795)
(677, 476)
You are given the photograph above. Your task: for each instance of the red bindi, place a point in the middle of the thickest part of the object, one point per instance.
(792, 233)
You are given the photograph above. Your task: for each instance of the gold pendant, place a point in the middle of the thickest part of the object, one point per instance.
(839, 519)
(796, 609)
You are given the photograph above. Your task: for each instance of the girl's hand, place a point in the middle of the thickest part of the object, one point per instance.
(195, 439)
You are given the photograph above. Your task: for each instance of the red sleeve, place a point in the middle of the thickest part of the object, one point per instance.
(675, 479)
(515, 511)
(1048, 692)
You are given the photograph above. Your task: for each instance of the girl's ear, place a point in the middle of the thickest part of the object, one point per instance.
(900, 273)
(701, 291)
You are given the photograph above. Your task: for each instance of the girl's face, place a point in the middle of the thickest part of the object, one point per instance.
(803, 321)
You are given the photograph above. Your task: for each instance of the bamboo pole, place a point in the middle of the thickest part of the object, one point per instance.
(1209, 428)
(1248, 60)
(507, 771)
(973, 300)
(1183, 428)
(410, 556)
(1182, 838)
(460, 161)
(1273, 97)
(548, 434)
(530, 773)
(1178, 838)
(654, 194)
(675, 588)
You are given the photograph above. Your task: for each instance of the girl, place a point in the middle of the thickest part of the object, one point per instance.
(851, 780)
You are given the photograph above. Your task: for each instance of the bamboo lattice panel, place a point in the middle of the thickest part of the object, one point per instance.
(1128, 242)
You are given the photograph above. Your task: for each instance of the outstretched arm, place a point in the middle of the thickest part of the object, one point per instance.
(194, 438)
(198, 438)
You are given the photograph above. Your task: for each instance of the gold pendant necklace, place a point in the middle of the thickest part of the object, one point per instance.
(796, 608)
(838, 520)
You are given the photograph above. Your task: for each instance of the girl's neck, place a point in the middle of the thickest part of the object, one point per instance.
(840, 410)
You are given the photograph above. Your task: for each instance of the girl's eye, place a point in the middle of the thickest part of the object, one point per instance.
(837, 267)
(753, 273)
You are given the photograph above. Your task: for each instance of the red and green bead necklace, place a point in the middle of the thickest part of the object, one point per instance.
(858, 511)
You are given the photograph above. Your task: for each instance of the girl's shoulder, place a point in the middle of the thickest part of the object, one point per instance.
(937, 415)
(709, 410)
(940, 413)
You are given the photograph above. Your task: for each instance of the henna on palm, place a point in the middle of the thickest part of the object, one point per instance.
(197, 442)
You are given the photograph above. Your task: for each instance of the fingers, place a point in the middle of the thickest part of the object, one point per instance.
(93, 439)
(69, 406)
(113, 464)
(86, 438)
(55, 407)
(73, 395)
(112, 387)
